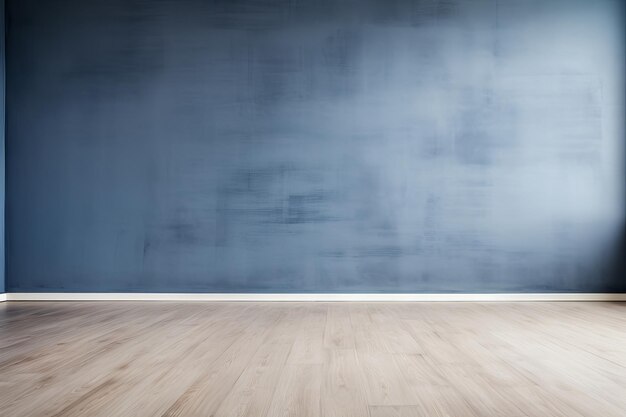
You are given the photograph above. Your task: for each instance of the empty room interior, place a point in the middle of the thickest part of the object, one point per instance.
(313, 208)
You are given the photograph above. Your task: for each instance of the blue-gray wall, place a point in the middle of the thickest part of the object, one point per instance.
(2, 147)
(324, 146)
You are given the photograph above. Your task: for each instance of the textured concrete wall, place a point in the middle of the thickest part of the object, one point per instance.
(332, 145)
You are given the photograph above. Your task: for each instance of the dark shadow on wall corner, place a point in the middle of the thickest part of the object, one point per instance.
(617, 265)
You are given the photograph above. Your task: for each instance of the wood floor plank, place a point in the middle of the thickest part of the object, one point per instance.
(312, 359)
(298, 392)
(384, 380)
(343, 388)
(378, 329)
(339, 333)
(308, 346)
(396, 411)
(207, 392)
(252, 393)
(87, 375)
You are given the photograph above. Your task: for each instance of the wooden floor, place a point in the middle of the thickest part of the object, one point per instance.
(312, 359)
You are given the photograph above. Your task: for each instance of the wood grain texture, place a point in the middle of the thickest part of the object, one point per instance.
(312, 359)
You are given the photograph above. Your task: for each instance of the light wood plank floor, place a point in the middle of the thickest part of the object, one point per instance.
(313, 359)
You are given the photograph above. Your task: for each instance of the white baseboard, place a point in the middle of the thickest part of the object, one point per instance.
(57, 296)
(3, 297)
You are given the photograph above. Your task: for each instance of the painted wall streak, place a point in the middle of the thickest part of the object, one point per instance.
(315, 146)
